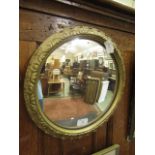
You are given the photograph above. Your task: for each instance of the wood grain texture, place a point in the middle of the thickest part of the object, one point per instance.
(28, 131)
(79, 13)
(35, 26)
(120, 118)
(105, 7)
(51, 145)
(82, 146)
(99, 138)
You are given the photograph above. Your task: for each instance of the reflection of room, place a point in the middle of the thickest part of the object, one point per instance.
(78, 81)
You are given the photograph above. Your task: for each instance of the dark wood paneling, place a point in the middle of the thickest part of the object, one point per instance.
(78, 14)
(109, 137)
(105, 7)
(51, 145)
(82, 146)
(120, 117)
(35, 26)
(99, 138)
(28, 131)
(26, 50)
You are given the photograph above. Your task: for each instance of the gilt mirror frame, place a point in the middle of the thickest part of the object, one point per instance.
(32, 74)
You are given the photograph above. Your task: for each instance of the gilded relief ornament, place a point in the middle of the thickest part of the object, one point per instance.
(33, 72)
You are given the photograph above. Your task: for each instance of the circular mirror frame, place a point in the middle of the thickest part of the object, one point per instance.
(33, 71)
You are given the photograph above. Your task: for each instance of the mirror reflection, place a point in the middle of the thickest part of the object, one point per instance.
(77, 83)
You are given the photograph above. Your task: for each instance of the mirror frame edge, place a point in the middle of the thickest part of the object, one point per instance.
(32, 74)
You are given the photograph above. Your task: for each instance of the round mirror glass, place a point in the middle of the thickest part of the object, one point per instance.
(77, 83)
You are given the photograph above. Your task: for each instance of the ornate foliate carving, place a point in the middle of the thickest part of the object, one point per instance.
(32, 74)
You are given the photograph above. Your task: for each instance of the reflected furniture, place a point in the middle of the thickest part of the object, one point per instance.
(67, 71)
(55, 86)
(77, 82)
(97, 74)
(55, 75)
(93, 86)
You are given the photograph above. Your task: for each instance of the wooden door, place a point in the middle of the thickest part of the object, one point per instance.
(37, 22)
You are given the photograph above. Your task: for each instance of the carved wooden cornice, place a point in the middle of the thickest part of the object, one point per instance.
(85, 11)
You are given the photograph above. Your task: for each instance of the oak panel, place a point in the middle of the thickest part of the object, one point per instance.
(35, 27)
(82, 14)
(99, 139)
(120, 118)
(28, 131)
(78, 146)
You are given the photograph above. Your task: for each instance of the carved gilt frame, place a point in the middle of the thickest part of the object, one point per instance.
(33, 71)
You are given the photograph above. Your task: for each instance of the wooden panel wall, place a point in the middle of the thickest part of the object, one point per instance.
(35, 26)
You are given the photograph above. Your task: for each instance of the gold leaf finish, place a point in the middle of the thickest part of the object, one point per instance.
(33, 71)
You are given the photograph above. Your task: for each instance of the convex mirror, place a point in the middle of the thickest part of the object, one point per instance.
(74, 81)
